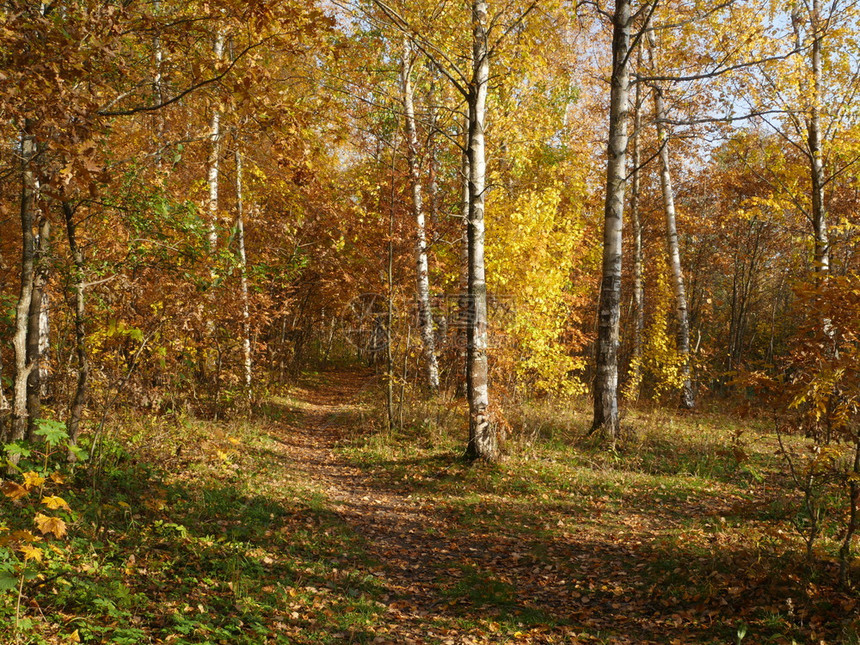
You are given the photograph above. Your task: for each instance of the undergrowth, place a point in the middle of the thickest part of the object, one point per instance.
(187, 531)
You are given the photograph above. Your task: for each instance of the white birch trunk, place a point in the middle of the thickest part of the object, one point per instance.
(819, 209)
(483, 441)
(210, 361)
(683, 330)
(606, 418)
(243, 273)
(638, 283)
(37, 339)
(425, 316)
(682, 336)
(214, 158)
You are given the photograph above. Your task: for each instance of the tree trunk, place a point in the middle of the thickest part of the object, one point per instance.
(389, 318)
(158, 85)
(483, 442)
(36, 325)
(687, 399)
(79, 399)
(462, 339)
(853, 507)
(243, 272)
(606, 379)
(638, 284)
(432, 160)
(214, 158)
(425, 315)
(819, 210)
(22, 309)
(209, 364)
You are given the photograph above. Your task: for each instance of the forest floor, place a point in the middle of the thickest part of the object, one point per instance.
(303, 524)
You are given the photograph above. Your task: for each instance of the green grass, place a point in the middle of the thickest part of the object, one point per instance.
(220, 549)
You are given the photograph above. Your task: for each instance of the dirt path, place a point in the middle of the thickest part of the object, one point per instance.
(424, 554)
(453, 578)
(396, 527)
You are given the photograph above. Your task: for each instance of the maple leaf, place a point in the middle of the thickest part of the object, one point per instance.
(50, 525)
(23, 536)
(31, 552)
(55, 503)
(13, 490)
(33, 479)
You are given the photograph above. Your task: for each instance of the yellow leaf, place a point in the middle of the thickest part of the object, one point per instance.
(31, 552)
(23, 536)
(75, 637)
(50, 525)
(32, 480)
(13, 490)
(54, 503)
(57, 478)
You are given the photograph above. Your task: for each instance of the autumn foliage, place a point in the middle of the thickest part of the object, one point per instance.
(499, 214)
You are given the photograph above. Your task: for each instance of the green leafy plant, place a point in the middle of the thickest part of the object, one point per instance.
(36, 516)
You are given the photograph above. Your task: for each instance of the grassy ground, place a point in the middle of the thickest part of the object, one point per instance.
(308, 524)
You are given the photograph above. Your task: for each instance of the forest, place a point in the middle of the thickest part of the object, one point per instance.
(429, 321)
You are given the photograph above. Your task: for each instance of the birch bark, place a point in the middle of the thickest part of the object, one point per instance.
(638, 286)
(243, 272)
(210, 360)
(37, 327)
(425, 316)
(819, 210)
(483, 441)
(214, 157)
(687, 400)
(609, 312)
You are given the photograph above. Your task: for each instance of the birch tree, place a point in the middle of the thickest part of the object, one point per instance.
(635, 216)
(483, 440)
(243, 272)
(422, 270)
(682, 337)
(606, 418)
(472, 84)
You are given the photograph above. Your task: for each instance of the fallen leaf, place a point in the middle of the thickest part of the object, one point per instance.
(50, 525)
(33, 479)
(31, 552)
(13, 490)
(55, 503)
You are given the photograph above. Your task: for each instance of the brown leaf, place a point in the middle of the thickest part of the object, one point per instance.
(13, 490)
